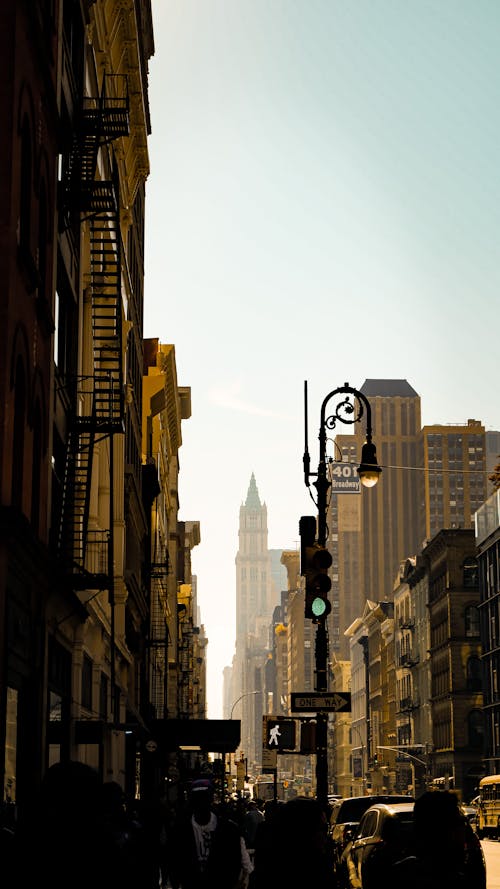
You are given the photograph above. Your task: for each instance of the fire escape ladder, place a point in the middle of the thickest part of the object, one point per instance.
(86, 553)
(105, 276)
(158, 634)
(103, 118)
(76, 497)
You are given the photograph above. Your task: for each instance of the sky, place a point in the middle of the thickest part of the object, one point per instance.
(323, 205)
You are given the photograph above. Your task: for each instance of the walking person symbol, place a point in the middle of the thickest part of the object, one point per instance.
(274, 734)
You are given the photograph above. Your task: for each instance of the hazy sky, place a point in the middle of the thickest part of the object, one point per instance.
(323, 205)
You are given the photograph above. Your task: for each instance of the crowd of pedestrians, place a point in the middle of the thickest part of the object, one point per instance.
(80, 832)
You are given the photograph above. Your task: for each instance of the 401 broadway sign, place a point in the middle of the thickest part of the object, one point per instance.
(344, 479)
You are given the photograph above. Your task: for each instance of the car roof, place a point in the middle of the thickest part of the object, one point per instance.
(350, 809)
(392, 808)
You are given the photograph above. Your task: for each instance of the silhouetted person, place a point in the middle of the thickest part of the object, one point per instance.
(60, 841)
(250, 822)
(292, 849)
(206, 847)
(447, 855)
(134, 840)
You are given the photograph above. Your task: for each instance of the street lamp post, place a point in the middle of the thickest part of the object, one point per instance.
(245, 694)
(350, 406)
(361, 748)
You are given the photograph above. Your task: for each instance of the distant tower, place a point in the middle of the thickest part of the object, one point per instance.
(256, 598)
(254, 582)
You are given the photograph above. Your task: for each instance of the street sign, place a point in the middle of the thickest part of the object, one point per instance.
(344, 479)
(330, 701)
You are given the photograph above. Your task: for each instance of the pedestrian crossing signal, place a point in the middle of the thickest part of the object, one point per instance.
(280, 734)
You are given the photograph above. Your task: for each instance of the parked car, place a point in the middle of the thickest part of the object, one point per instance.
(384, 836)
(345, 817)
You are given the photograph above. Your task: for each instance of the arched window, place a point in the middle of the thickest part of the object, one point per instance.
(475, 727)
(474, 674)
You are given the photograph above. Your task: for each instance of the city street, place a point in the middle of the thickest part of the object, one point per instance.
(491, 850)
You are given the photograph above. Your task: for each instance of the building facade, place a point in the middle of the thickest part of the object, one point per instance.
(367, 542)
(94, 564)
(454, 478)
(487, 538)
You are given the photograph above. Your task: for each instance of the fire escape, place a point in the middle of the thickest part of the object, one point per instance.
(98, 407)
(158, 633)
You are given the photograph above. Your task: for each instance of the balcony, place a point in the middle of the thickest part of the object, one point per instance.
(406, 623)
(406, 705)
(408, 659)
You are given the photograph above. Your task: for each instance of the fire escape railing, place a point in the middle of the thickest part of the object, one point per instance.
(99, 405)
(159, 634)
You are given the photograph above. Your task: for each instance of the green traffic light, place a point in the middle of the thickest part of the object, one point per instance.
(318, 607)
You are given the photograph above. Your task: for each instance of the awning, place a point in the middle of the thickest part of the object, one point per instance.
(210, 735)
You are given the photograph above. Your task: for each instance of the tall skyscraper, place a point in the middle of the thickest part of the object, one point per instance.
(433, 478)
(390, 510)
(371, 530)
(256, 597)
(453, 483)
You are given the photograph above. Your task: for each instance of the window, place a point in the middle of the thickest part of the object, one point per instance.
(103, 696)
(43, 243)
(470, 574)
(87, 682)
(25, 184)
(475, 728)
(18, 436)
(36, 467)
(471, 621)
(474, 675)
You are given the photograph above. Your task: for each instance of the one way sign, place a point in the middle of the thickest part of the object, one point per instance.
(329, 701)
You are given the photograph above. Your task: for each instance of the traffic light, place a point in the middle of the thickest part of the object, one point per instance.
(308, 737)
(318, 584)
(307, 531)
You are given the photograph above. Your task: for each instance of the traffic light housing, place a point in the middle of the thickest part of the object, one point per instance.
(307, 531)
(280, 734)
(318, 584)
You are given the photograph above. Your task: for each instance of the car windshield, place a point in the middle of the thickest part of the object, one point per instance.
(353, 809)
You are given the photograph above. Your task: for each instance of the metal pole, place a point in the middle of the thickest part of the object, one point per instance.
(111, 578)
(346, 412)
(321, 646)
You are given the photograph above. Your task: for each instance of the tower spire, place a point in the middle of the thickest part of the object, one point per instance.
(253, 499)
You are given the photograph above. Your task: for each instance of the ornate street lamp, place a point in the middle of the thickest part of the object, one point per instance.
(349, 407)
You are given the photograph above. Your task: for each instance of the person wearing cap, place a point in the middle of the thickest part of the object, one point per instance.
(206, 846)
